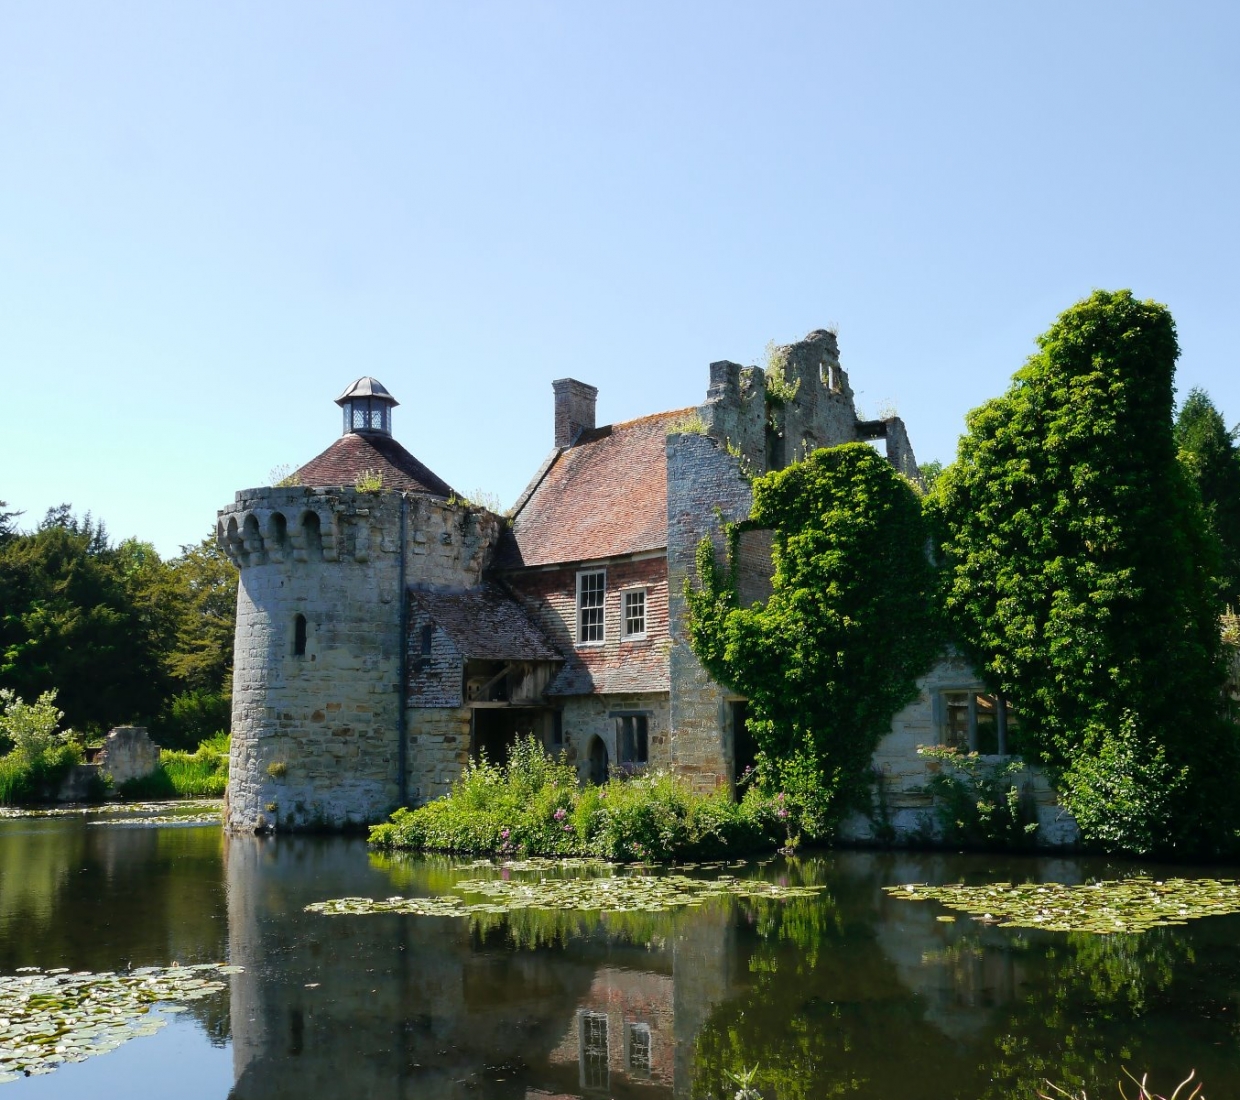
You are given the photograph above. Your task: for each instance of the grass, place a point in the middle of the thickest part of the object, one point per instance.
(533, 805)
(202, 773)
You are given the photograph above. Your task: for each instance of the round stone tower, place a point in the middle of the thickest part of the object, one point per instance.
(320, 665)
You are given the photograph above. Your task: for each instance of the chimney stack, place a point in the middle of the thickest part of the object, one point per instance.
(574, 409)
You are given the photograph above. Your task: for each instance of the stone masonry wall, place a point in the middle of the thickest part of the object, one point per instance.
(590, 716)
(316, 734)
(904, 773)
(701, 477)
(438, 751)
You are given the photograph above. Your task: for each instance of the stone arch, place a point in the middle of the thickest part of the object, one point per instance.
(276, 536)
(300, 634)
(252, 538)
(311, 529)
(232, 543)
(596, 760)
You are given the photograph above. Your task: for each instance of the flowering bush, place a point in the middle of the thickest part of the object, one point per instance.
(533, 806)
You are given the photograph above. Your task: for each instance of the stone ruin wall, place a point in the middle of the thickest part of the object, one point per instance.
(316, 736)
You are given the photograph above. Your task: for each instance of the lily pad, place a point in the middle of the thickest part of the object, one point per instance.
(51, 1017)
(606, 894)
(1125, 905)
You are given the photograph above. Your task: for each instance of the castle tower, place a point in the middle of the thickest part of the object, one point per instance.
(320, 669)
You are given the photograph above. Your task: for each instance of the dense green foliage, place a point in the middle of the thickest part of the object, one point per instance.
(118, 631)
(1079, 574)
(35, 753)
(533, 805)
(1208, 453)
(981, 803)
(202, 773)
(835, 651)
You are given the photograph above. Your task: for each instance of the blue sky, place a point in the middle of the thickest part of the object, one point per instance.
(213, 217)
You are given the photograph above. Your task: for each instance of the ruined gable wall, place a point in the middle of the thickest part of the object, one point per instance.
(315, 735)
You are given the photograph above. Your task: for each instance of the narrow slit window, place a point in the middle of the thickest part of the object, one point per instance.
(299, 636)
(634, 612)
(591, 594)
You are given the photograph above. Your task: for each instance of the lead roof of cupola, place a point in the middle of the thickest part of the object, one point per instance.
(367, 387)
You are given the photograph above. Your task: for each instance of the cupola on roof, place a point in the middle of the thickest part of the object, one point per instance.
(367, 407)
(366, 448)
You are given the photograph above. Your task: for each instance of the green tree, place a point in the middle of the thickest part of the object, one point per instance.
(1208, 452)
(69, 623)
(832, 655)
(1079, 572)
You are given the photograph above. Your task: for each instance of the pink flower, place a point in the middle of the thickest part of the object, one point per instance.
(560, 814)
(779, 797)
(781, 812)
(569, 827)
(503, 833)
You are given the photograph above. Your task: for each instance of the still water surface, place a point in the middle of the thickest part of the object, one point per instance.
(852, 993)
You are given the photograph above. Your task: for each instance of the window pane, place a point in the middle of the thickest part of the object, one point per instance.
(591, 591)
(639, 1048)
(956, 720)
(987, 725)
(635, 613)
(594, 1054)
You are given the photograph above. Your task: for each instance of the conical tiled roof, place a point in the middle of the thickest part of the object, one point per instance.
(357, 453)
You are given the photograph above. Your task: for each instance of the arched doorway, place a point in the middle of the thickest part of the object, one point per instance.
(598, 761)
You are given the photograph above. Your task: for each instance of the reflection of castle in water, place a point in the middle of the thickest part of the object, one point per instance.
(392, 1007)
(855, 989)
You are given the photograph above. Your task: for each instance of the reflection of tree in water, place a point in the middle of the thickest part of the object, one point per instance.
(801, 1040)
(1084, 1013)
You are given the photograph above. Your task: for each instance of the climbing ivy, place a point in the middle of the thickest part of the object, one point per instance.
(834, 652)
(1079, 575)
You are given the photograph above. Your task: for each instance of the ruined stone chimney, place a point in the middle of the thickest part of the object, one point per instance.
(574, 409)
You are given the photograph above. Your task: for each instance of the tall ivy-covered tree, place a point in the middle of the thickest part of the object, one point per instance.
(1208, 452)
(1079, 573)
(834, 652)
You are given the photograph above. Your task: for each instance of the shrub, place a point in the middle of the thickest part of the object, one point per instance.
(533, 806)
(39, 755)
(980, 803)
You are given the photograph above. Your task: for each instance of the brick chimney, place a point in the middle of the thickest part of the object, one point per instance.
(574, 409)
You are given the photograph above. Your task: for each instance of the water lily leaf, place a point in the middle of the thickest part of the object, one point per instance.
(1125, 905)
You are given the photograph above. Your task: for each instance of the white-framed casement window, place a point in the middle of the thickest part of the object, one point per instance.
(633, 613)
(591, 594)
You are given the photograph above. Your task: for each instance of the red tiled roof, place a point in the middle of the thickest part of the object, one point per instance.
(603, 497)
(356, 453)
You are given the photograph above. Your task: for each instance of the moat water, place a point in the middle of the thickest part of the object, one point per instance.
(850, 994)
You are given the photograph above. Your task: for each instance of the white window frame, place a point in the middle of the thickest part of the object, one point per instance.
(634, 1031)
(625, 594)
(601, 607)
